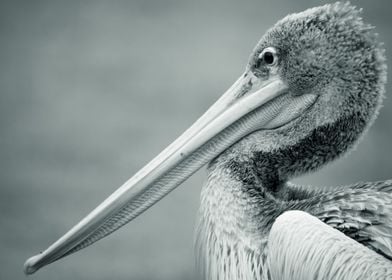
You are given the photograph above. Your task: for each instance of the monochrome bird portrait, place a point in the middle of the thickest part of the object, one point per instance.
(310, 90)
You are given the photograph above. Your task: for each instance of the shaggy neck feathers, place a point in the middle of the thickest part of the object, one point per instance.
(244, 195)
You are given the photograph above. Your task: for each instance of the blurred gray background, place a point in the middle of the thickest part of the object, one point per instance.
(92, 90)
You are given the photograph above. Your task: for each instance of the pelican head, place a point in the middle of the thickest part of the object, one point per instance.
(333, 70)
(312, 85)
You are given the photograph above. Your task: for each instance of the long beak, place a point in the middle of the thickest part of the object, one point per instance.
(241, 110)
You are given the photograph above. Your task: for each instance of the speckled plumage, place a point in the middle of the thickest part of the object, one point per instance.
(330, 51)
(313, 85)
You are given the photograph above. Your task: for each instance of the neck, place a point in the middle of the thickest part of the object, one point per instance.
(236, 214)
(247, 190)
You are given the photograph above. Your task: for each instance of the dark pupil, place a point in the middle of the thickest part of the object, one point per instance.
(268, 57)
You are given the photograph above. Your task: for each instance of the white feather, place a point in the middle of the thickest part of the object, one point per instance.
(302, 247)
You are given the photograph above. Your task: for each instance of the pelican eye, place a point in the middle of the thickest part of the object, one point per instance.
(268, 56)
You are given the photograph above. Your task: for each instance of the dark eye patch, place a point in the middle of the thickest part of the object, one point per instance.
(269, 58)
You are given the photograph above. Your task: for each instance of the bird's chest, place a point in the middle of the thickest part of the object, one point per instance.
(232, 231)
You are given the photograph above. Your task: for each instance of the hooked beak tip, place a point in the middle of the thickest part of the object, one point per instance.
(30, 266)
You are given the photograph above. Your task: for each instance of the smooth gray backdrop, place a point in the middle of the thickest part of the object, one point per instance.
(92, 90)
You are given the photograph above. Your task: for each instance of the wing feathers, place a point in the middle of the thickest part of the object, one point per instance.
(302, 247)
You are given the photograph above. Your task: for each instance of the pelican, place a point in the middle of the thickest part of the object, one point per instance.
(312, 86)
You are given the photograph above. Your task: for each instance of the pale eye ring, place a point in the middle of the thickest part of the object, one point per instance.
(268, 56)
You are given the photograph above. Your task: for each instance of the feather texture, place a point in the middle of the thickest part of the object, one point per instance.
(234, 239)
(363, 212)
(304, 248)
